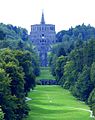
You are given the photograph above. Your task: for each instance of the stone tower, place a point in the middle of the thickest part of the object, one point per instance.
(43, 36)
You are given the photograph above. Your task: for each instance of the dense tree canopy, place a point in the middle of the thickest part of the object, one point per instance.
(81, 32)
(77, 72)
(13, 81)
(19, 66)
(1, 114)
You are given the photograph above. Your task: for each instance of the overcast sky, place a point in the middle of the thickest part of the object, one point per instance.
(62, 13)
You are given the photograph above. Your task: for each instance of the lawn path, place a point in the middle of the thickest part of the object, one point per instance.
(55, 103)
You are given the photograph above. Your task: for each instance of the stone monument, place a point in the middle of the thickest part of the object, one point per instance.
(43, 36)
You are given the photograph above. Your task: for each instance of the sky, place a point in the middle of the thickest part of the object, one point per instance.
(62, 13)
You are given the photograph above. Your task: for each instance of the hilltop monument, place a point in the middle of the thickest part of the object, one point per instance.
(43, 36)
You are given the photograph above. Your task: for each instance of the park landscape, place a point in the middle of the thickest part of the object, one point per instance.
(51, 102)
(71, 63)
(68, 89)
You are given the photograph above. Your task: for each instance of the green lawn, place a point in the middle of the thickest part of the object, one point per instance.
(55, 103)
(45, 74)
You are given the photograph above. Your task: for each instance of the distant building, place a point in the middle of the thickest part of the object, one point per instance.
(43, 36)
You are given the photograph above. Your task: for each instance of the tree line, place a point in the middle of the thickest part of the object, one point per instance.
(74, 68)
(81, 32)
(19, 66)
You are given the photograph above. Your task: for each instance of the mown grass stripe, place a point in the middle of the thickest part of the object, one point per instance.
(63, 106)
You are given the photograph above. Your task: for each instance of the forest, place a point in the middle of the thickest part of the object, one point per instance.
(19, 66)
(71, 60)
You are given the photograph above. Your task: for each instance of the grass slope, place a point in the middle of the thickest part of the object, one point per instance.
(45, 74)
(55, 103)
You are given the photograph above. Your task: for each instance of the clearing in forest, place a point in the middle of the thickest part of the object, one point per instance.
(51, 102)
(45, 74)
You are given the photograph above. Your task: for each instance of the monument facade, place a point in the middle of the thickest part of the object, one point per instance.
(43, 36)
